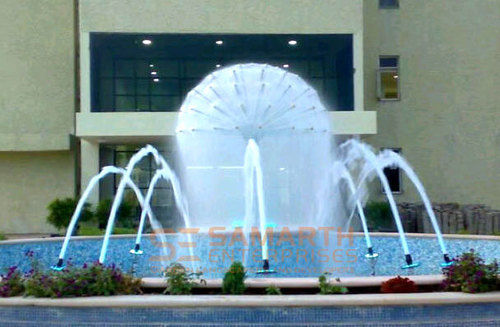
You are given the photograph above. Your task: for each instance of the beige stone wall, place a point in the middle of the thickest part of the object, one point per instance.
(221, 16)
(448, 119)
(28, 182)
(37, 92)
(37, 109)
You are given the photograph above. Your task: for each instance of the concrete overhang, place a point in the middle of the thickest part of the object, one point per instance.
(136, 127)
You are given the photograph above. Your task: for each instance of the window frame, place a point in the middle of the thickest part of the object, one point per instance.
(395, 6)
(399, 151)
(315, 59)
(394, 69)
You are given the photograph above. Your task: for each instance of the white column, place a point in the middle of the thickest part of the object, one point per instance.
(357, 57)
(89, 154)
(85, 72)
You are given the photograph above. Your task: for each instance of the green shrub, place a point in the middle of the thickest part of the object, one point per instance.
(124, 217)
(463, 231)
(61, 210)
(90, 231)
(378, 214)
(398, 285)
(96, 231)
(179, 280)
(273, 290)
(234, 279)
(89, 280)
(326, 288)
(124, 230)
(2, 237)
(11, 284)
(470, 274)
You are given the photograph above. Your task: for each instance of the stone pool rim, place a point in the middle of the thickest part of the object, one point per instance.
(196, 301)
(301, 282)
(356, 234)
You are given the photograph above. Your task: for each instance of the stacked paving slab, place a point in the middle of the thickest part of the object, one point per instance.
(452, 218)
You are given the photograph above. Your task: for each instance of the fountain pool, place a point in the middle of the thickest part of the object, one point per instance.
(288, 260)
(257, 160)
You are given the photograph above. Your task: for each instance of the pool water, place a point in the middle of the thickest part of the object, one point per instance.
(289, 255)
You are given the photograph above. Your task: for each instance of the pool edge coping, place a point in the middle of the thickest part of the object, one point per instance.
(196, 301)
(302, 282)
(375, 234)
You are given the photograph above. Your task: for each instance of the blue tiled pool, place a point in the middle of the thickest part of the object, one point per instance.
(289, 257)
(483, 314)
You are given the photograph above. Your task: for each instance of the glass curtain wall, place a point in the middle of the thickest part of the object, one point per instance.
(132, 72)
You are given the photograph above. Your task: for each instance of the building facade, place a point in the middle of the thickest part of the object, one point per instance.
(85, 83)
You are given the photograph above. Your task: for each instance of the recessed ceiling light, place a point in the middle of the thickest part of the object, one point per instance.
(151, 65)
(286, 65)
(292, 42)
(218, 65)
(154, 73)
(156, 80)
(147, 42)
(219, 42)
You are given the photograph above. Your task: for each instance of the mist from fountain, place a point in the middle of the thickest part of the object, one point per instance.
(255, 147)
(246, 111)
(288, 123)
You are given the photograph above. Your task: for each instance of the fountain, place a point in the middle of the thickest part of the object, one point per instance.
(339, 172)
(277, 131)
(255, 149)
(76, 215)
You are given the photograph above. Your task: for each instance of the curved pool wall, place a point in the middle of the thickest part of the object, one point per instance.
(297, 259)
(417, 309)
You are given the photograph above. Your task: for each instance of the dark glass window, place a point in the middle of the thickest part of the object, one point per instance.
(388, 4)
(128, 75)
(393, 175)
(388, 61)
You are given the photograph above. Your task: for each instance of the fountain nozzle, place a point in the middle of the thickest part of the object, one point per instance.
(447, 261)
(371, 255)
(265, 268)
(59, 265)
(409, 262)
(137, 249)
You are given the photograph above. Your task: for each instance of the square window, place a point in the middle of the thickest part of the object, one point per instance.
(143, 86)
(124, 68)
(165, 87)
(388, 4)
(143, 103)
(124, 103)
(124, 86)
(143, 68)
(165, 103)
(167, 68)
(388, 87)
(316, 68)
